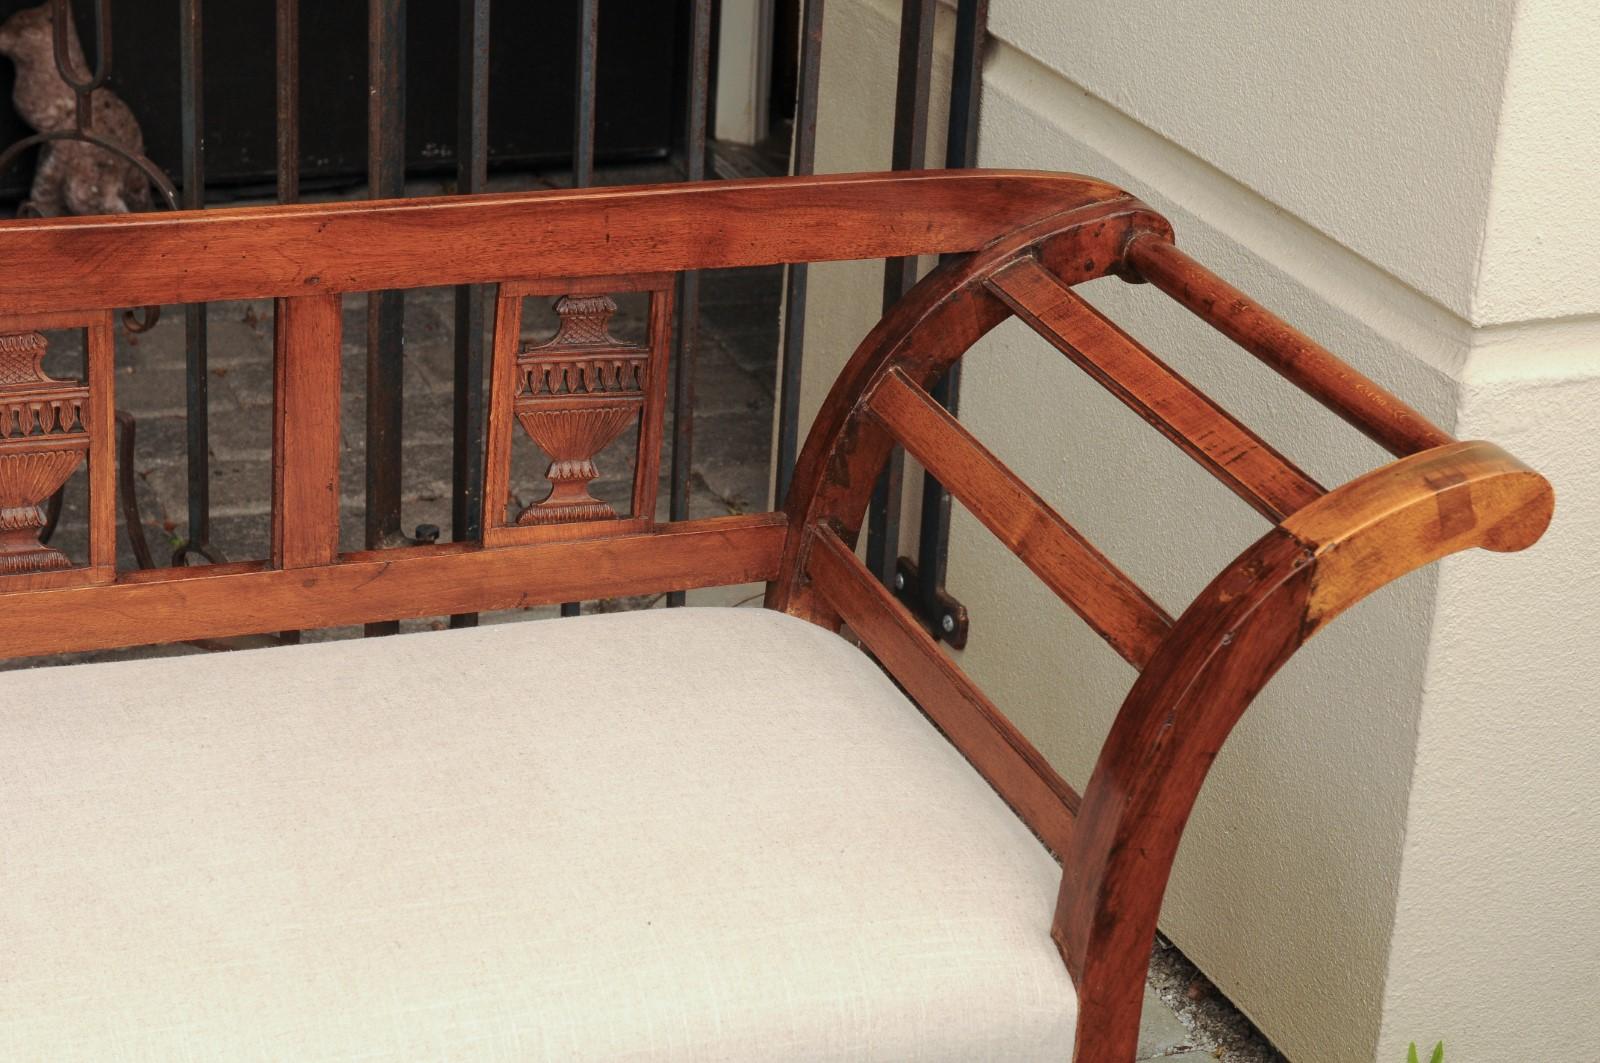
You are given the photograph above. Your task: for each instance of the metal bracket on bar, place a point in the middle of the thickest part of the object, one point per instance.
(920, 584)
(912, 86)
(943, 616)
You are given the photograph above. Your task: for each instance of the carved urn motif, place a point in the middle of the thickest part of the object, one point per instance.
(43, 437)
(576, 393)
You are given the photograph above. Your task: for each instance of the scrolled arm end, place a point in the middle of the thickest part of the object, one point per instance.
(1414, 511)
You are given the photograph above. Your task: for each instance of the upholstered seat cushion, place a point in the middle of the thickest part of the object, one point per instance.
(685, 834)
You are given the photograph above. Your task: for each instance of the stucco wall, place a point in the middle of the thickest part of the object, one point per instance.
(1544, 215)
(1496, 941)
(1373, 120)
(1370, 174)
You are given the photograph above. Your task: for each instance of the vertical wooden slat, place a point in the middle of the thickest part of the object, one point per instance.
(502, 384)
(102, 449)
(647, 466)
(305, 432)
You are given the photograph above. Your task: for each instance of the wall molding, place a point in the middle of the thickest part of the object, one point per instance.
(1171, 175)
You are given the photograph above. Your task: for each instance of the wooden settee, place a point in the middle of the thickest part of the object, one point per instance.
(686, 834)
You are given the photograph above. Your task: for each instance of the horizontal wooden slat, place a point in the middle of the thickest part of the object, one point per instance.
(257, 252)
(1069, 565)
(1238, 457)
(1017, 771)
(1383, 416)
(194, 603)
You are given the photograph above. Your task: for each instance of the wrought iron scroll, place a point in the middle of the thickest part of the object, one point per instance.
(84, 81)
(83, 89)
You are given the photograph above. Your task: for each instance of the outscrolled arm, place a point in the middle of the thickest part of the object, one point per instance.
(1221, 652)
(1326, 550)
(1410, 512)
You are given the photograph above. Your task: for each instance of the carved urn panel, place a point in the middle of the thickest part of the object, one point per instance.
(44, 435)
(575, 394)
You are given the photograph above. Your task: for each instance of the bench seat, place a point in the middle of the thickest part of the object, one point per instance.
(674, 834)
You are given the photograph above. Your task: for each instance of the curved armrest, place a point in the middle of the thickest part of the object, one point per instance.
(1219, 654)
(1326, 550)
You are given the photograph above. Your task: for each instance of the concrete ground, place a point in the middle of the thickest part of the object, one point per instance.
(1184, 1019)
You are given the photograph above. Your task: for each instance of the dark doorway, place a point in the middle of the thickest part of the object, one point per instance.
(532, 60)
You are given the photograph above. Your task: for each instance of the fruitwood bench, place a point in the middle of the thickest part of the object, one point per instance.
(685, 834)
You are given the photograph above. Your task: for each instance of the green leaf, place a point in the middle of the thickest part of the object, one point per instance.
(1438, 1053)
(1411, 1056)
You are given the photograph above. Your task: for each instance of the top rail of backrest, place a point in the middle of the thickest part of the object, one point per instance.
(269, 251)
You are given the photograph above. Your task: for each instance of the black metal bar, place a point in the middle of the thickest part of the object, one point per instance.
(584, 107)
(288, 99)
(194, 314)
(794, 291)
(472, 175)
(127, 487)
(699, 107)
(163, 185)
(386, 129)
(583, 119)
(944, 616)
(61, 25)
(61, 35)
(966, 84)
(899, 274)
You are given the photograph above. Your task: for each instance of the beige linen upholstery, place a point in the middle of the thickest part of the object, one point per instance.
(688, 834)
